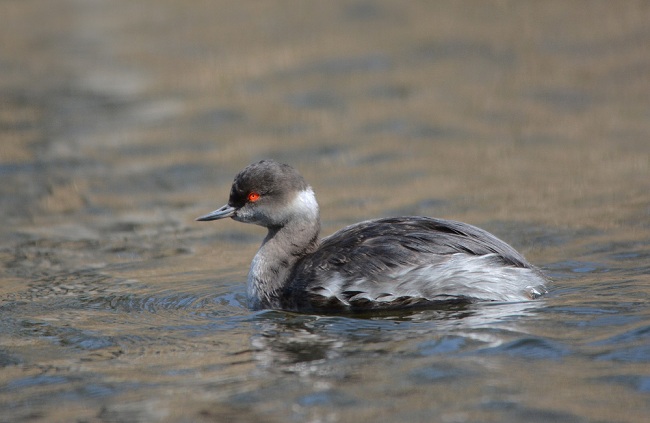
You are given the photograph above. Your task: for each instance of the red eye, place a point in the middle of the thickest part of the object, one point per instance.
(253, 197)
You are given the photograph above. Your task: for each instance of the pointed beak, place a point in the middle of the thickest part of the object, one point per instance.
(222, 213)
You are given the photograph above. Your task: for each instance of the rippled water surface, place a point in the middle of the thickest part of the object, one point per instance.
(121, 121)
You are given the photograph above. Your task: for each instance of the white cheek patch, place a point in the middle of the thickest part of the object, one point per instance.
(305, 205)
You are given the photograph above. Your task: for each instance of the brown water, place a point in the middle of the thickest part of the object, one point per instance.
(121, 121)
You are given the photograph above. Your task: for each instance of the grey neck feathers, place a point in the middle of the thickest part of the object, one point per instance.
(276, 258)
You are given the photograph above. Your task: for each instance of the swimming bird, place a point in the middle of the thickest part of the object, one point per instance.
(383, 264)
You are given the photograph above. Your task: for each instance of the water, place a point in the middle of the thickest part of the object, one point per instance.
(122, 121)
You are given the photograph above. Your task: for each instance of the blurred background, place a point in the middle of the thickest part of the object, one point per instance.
(122, 121)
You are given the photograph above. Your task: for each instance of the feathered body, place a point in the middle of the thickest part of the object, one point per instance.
(390, 263)
(409, 262)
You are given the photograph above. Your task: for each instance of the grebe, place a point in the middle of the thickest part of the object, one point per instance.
(390, 263)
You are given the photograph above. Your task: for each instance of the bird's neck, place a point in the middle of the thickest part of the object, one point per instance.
(280, 251)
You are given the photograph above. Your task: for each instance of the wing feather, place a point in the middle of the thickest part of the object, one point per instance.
(367, 262)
